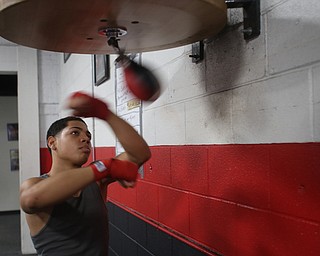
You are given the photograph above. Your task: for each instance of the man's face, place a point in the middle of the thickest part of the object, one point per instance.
(74, 143)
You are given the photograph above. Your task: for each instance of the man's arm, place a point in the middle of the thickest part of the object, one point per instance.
(37, 193)
(136, 149)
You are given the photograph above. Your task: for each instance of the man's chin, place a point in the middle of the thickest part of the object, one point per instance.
(84, 162)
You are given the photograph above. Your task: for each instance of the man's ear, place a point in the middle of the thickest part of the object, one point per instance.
(52, 142)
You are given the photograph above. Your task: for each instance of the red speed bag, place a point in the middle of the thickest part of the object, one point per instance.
(141, 81)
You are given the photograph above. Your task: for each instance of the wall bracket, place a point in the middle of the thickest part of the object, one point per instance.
(197, 52)
(251, 16)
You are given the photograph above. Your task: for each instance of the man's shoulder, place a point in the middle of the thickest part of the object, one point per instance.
(31, 181)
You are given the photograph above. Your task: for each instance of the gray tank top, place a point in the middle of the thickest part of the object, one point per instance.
(78, 226)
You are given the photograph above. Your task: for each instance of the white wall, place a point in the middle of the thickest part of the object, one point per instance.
(9, 180)
(29, 142)
(8, 61)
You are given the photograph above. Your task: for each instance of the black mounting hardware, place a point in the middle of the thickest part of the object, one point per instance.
(251, 16)
(197, 52)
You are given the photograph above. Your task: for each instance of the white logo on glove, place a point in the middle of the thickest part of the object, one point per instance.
(100, 166)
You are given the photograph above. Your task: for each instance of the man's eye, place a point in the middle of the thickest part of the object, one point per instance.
(75, 132)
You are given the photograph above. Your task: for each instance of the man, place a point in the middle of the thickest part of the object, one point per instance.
(65, 209)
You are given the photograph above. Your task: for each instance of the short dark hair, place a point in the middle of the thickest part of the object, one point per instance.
(59, 125)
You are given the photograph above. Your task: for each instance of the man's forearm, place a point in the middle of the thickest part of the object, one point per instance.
(55, 189)
(134, 145)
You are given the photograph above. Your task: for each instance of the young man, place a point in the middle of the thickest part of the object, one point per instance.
(65, 209)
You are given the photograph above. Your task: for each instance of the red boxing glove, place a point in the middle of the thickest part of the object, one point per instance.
(115, 168)
(91, 108)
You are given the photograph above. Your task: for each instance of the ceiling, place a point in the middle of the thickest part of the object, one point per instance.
(8, 85)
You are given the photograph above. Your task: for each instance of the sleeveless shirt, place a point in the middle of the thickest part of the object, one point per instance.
(78, 226)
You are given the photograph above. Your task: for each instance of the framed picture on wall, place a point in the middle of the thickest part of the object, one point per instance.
(101, 68)
(13, 132)
(14, 159)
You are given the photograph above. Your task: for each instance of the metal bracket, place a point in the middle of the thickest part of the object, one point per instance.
(197, 52)
(251, 16)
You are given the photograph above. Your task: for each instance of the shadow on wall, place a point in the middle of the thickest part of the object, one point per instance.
(288, 44)
(232, 61)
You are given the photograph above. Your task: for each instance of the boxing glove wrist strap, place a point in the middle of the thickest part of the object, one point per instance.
(114, 168)
(100, 170)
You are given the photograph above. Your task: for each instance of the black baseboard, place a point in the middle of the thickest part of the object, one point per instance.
(130, 235)
(10, 212)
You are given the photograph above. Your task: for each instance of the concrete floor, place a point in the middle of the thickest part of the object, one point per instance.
(10, 241)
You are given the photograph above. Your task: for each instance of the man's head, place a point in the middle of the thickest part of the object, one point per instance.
(57, 126)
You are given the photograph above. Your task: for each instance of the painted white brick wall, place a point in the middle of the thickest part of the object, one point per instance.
(75, 74)
(261, 91)
(316, 102)
(273, 96)
(231, 61)
(49, 91)
(267, 5)
(209, 120)
(273, 110)
(170, 128)
(293, 35)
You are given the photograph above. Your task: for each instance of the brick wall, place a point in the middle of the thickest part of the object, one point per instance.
(232, 199)
(220, 200)
(235, 138)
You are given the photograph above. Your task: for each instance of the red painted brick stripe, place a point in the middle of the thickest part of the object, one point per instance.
(258, 199)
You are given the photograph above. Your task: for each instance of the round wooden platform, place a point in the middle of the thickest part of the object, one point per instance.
(73, 26)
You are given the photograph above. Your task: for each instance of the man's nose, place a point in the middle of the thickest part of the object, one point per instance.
(85, 138)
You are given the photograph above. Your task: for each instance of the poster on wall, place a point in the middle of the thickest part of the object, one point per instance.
(13, 132)
(14, 159)
(128, 106)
